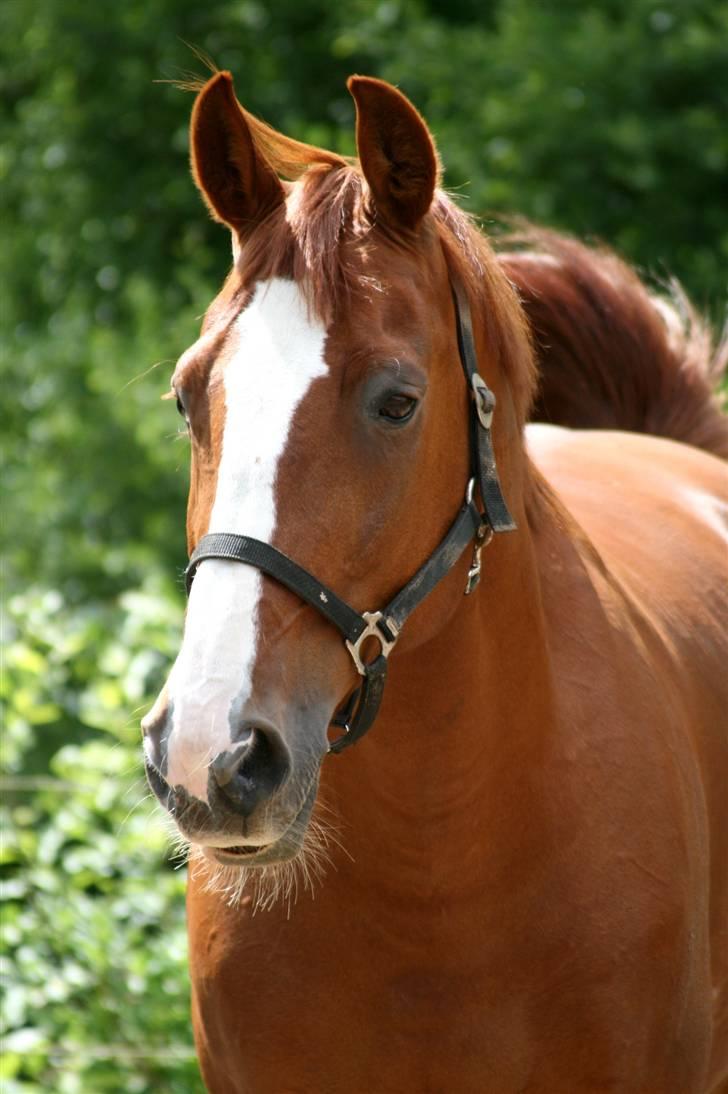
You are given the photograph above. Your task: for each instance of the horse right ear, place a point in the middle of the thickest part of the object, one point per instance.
(396, 151)
(238, 185)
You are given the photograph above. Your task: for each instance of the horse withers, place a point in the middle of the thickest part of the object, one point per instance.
(519, 875)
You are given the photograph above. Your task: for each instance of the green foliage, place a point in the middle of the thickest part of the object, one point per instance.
(604, 117)
(94, 948)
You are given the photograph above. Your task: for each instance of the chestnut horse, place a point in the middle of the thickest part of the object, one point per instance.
(527, 878)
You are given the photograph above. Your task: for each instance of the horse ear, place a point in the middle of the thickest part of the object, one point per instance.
(396, 151)
(238, 185)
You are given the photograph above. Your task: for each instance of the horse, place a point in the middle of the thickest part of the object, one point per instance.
(516, 879)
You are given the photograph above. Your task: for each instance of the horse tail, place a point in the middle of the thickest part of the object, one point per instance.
(611, 355)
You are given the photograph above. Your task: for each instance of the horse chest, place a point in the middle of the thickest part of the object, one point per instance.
(322, 1003)
(348, 1019)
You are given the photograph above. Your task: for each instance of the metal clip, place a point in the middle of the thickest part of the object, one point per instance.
(482, 538)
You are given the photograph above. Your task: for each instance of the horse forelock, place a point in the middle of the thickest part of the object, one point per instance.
(321, 239)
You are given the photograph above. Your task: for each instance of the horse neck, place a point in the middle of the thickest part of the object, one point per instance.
(457, 747)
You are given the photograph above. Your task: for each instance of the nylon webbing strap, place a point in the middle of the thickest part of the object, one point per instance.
(361, 709)
(359, 713)
(270, 560)
(440, 562)
(483, 457)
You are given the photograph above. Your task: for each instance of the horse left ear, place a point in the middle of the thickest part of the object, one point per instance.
(237, 183)
(396, 151)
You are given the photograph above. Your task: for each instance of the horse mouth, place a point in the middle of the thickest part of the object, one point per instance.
(247, 857)
(286, 847)
(232, 856)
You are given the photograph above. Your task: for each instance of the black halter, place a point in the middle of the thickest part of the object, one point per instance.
(469, 526)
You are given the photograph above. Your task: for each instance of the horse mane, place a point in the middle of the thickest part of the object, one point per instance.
(611, 355)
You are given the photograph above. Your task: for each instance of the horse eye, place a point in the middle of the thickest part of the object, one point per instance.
(181, 409)
(397, 408)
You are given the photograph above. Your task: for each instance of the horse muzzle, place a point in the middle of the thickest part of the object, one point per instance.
(252, 797)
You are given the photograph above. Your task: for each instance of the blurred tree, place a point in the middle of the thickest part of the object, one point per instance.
(607, 119)
(607, 116)
(111, 256)
(604, 117)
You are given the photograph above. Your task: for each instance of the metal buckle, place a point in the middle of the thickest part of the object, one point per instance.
(372, 631)
(484, 400)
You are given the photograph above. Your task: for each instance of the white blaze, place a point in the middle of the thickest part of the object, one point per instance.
(279, 353)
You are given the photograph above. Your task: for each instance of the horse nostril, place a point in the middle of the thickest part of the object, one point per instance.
(226, 764)
(253, 770)
(156, 728)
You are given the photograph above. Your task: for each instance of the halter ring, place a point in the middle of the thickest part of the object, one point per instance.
(373, 630)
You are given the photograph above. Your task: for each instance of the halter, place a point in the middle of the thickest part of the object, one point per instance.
(470, 526)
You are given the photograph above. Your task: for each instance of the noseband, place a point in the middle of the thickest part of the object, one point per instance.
(470, 526)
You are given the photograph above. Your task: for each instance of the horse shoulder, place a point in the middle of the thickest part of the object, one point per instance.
(649, 521)
(634, 579)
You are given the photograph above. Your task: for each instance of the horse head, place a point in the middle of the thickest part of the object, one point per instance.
(328, 418)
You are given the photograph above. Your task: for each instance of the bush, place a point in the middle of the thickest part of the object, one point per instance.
(606, 118)
(94, 947)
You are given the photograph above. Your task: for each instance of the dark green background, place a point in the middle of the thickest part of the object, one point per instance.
(608, 119)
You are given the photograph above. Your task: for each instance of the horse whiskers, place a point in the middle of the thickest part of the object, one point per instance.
(330, 825)
(135, 806)
(179, 846)
(264, 886)
(146, 372)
